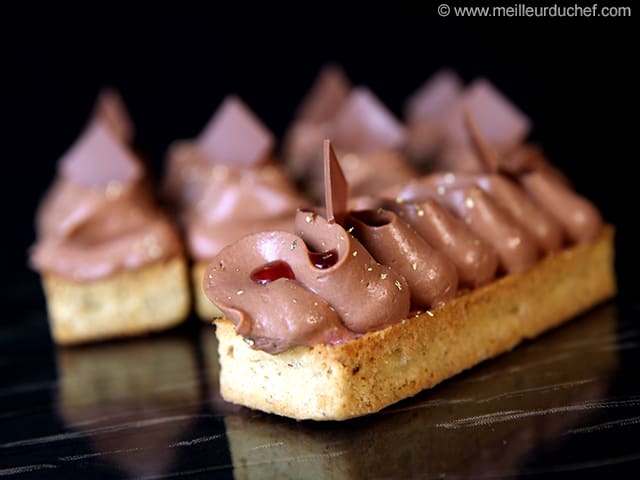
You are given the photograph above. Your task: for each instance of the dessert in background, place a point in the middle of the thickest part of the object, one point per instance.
(369, 141)
(111, 263)
(313, 121)
(368, 137)
(423, 112)
(225, 184)
(438, 139)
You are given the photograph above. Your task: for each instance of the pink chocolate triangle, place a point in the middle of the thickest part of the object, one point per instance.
(498, 120)
(235, 136)
(433, 98)
(328, 93)
(487, 154)
(111, 110)
(364, 124)
(98, 158)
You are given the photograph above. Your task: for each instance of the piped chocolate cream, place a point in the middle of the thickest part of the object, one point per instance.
(476, 262)
(98, 217)
(546, 186)
(225, 184)
(431, 276)
(463, 196)
(580, 219)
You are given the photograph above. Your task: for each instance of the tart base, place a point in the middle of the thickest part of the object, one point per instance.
(380, 368)
(155, 297)
(206, 310)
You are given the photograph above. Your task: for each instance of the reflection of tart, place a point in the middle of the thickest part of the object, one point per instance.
(489, 422)
(318, 328)
(111, 263)
(225, 185)
(147, 391)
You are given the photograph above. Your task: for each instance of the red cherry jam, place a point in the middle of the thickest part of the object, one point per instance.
(272, 271)
(324, 259)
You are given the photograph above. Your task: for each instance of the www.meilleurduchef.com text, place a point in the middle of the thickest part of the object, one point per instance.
(525, 10)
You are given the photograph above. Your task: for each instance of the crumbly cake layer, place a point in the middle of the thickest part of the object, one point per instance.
(132, 302)
(206, 310)
(380, 368)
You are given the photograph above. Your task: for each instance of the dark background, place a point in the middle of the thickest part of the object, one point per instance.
(174, 63)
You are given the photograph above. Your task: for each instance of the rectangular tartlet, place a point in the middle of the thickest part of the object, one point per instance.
(380, 368)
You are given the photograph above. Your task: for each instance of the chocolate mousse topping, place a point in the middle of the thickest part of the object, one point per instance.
(431, 276)
(278, 313)
(366, 294)
(362, 295)
(476, 262)
(516, 249)
(580, 219)
(513, 199)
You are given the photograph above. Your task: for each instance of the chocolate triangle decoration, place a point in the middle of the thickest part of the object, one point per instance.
(336, 189)
(499, 121)
(235, 136)
(111, 110)
(434, 98)
(364, 124)
(328, 93)
(98, 158)
(487, 154)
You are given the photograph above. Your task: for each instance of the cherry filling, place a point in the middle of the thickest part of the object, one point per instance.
(324, 259)
(272, 271)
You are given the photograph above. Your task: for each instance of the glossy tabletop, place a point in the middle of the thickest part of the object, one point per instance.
(566, 404)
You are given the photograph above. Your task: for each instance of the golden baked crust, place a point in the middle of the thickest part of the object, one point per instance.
(429, 434)
(206, 310)
(380, 368)
(133, 302)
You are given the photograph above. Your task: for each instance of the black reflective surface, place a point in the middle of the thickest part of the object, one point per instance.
(567, 404)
